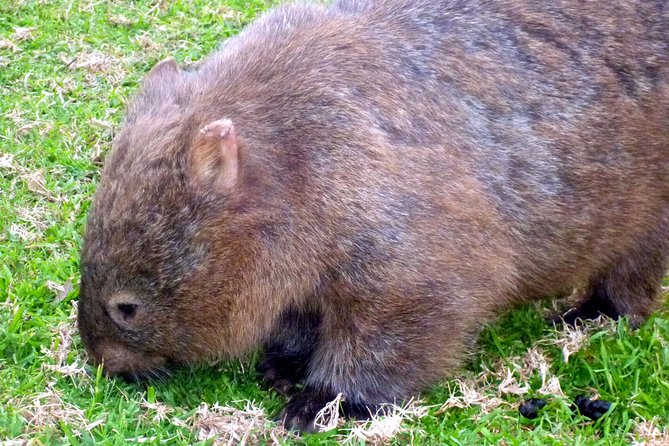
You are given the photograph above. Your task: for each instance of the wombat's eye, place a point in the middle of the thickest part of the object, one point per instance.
(124, 308)
(127, 310)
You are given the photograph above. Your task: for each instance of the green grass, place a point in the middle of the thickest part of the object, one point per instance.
(67, 67)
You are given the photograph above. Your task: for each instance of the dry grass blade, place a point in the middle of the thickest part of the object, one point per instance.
(511, 386)
(647, 433)
(37, 184)
(20, 34)
(13, 442)
(47, 411)
(573, 339)
(93, 62)
(61, 291)
(470, 394)
(535, 360)
(229, 425)
(328, 417)
(386, 425)
(6, 161)
(160, 411)
(60, 350)
(6, 44)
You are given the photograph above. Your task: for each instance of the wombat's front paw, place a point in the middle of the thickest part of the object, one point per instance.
(273, 379)
(281, 374)
(584, 312)
(300, 412)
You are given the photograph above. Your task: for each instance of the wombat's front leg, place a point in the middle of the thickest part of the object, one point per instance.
(288, 351)
(375, 353)
(301, 411)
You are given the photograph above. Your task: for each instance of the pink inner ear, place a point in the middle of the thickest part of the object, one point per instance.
(216, 153)
(221, 128)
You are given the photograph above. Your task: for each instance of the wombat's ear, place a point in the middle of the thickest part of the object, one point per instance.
(214, 157)
(163, 70)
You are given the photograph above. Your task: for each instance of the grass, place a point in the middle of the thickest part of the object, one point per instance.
(67, 67)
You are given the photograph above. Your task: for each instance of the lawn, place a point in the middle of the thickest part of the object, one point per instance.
(67, 68)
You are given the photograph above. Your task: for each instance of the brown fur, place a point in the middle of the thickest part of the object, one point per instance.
(402, 171)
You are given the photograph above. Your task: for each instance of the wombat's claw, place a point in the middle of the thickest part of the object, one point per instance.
(280, 385)
(586, 311)
(558, 319)
(273, 378)
(573, 317)
(298, 420)
(300, 412)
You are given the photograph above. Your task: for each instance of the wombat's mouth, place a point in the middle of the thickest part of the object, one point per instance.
(154, 374)
(130, 365)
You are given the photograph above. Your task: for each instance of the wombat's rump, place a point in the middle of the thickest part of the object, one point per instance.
(359, 187)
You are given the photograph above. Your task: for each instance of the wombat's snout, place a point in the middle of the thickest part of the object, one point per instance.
(107, 326)
(117, 360)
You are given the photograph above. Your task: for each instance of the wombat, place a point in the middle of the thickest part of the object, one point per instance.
(359, 187)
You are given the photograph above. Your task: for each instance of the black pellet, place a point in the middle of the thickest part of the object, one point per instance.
(530, 408)
(593, 409)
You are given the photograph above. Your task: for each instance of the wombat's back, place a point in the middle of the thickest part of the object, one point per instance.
(555, 111)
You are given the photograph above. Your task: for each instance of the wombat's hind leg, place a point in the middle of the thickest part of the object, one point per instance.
(594, 303)
(631, 287)
(288, 351)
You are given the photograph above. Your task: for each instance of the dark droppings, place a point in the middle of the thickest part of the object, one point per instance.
(593, 409)
(530, 408)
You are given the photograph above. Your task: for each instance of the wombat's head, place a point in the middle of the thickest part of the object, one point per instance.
(149, 292)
